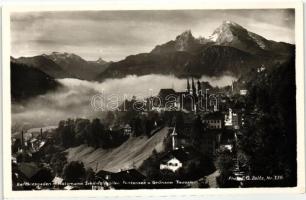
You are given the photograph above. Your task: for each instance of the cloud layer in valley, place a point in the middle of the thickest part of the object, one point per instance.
(74, 99)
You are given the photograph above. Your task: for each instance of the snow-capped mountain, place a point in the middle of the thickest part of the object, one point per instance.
(232, 34)
(231, 49)
(227, 34)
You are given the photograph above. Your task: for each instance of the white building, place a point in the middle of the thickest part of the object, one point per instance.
(57, 181)
(243, 92)
(228, 120)
(232, 120)
(213, 120)
(213, 123)
(173, 164)
(176, 159)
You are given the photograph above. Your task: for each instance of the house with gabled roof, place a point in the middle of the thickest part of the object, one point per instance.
(177, 158)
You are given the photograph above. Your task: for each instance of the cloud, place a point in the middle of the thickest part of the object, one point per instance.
(74, 99)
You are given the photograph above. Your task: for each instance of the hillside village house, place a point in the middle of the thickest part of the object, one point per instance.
(243, 92)
(127, 130)
(173, 161)
(228, 139)
(232, 120)
(172, 164)
(37, 132)
(213, 120)
(178, 158)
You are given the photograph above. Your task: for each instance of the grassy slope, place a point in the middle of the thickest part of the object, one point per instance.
(133, 152)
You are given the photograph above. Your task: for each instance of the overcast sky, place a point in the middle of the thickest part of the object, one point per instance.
(113, 35)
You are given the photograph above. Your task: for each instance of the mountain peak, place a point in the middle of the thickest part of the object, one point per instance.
(226, 32)
(229, 33)
(65, 54)
(186, 34)
(230, 23)
(64, 57)
(101, 61)
(184, 41)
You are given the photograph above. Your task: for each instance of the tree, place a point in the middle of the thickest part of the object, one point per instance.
(137, 126)
(67, 132)
(90, 175)
(225, 165)
(149, 124)
(16, 145)
(269, 134)
(225, 162)
(82, 129)
(74, 172)
(43, 176)
(197, 130)
(179, 121)
(99, 137)
(57, 162)
(150, 166)
(110, 118)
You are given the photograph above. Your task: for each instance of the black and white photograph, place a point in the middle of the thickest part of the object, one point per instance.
(148, 99)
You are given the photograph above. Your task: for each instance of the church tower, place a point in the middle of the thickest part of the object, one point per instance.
(174, 139)
(188, 86)
(194, 91)
(22, 138)
(199, 88)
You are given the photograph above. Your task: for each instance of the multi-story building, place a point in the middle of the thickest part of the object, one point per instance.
(213, 120)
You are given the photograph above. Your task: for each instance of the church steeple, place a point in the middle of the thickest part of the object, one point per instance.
(199, 88)
(188, 85)
(22, 139)
(193, 87)
(174, 142)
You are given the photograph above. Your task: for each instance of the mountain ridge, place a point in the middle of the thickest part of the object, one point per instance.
(64, 65)
(231, 49)
(27, 82)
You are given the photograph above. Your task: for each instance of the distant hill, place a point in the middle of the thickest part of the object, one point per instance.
(65, 65)
(45, 65)
(231, 49)
(77, 66)
(28, 82)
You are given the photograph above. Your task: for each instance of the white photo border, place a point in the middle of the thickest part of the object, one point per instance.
(129, 5)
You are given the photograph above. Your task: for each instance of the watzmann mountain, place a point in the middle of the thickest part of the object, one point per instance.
(231, 49)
